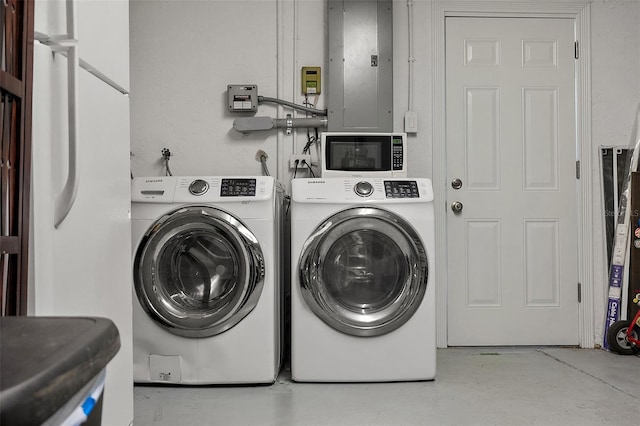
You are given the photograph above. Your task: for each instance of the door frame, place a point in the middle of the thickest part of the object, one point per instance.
(580, 12)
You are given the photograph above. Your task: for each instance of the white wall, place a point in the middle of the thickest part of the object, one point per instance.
(184, 53)
(615, 73)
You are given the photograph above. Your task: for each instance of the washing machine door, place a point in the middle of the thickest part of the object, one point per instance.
(198, 271)
(364, 271)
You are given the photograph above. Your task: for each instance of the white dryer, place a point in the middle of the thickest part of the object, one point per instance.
(207, 294)
(362, 289)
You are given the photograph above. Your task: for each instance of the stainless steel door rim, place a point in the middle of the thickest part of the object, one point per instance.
(198, 271)
(363, 271)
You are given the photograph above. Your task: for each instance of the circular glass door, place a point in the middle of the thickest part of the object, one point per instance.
(198, 271)
(364, 271)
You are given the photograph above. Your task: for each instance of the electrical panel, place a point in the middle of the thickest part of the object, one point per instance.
(360, 85)
(311, 81)
(242, 97)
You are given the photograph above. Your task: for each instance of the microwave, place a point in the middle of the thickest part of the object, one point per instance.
(345, 154)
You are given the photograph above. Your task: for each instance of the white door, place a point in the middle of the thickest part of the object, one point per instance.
(511, 143)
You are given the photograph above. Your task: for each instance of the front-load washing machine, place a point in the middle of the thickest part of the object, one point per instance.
(362, 290)
(207, 294)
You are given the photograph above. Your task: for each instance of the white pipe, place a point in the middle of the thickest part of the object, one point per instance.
(411, 59)
(295, 74)
(279, 82)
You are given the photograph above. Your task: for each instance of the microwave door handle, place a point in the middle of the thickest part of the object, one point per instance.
(64, 201)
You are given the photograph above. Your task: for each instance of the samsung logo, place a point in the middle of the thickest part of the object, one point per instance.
(316, 181)
(153, 180)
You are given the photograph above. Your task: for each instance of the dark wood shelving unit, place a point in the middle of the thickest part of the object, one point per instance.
(16, 85)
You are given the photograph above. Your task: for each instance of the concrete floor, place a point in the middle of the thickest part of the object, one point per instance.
(474, 386)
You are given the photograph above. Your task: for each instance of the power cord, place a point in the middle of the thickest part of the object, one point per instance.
(287, 200)
(295, 170)
(304, 163)
(310, 139)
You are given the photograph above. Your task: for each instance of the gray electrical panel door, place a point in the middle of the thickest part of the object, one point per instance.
(360, 96)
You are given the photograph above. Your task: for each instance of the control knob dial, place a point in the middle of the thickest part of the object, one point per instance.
(363, 189)
(198, 187)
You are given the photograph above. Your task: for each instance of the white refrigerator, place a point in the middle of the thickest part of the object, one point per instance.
(80, 259)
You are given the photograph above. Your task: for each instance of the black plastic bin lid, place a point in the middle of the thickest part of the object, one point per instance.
(45, 361)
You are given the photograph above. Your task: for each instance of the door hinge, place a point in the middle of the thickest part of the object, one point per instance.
(579, 293)
(576, 50)
(578, 169)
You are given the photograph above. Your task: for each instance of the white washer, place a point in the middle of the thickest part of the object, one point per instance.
(362, 289)
(207, 293)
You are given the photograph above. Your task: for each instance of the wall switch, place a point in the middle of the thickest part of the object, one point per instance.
(299, 158)
(411, 122)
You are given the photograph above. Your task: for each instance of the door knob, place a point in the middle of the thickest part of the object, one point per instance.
(456, 206)
(456, 183)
